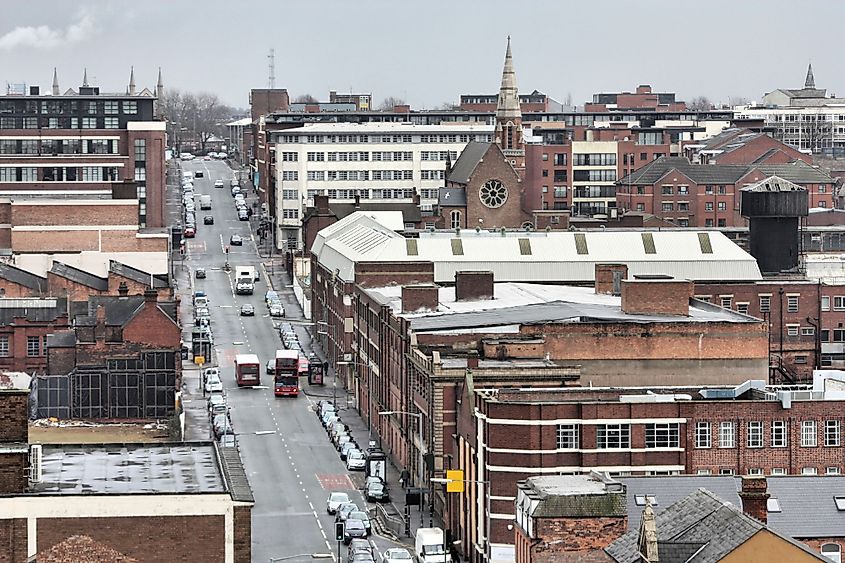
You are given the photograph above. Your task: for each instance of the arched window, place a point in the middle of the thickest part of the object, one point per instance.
(455, 219)
(833, 552)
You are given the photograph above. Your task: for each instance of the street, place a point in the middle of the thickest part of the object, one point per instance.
(290, 463)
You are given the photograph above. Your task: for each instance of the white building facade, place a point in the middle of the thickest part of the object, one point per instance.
(375, 162)
(819, 129)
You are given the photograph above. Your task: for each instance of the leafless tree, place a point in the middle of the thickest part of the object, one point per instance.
(447, 106)
(734, 101)
(700, 103)
(390, 102)
(196, 116)
(306, 99)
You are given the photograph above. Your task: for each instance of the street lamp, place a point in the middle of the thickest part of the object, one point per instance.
(311, 555)
(487, 520)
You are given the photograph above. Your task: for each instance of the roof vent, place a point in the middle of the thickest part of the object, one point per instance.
(35, 457)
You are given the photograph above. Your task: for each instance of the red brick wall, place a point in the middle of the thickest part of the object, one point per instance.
(581, 535)
(163, 539)
(150, 326)
(118, 213)
(494, 165)
(656, 297)
(13, 543)
(13, 417)
(13, 474)
(63, 287)
(11, 289)
(243, 534)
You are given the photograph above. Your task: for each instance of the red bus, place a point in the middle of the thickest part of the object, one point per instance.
(247, 370)
(286, 379)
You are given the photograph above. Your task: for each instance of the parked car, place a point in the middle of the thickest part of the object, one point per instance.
(213, 384)
(242, 214)
(373, 479)
(396, 555)
(353, 529)
(335, 500)
(270, 294)
(363, 517)
(271, 367)
(208, 220)
(355, 460)
(344, 451)
(236, 240)
(199, 273)
(376, 492)
(222, 425)
(361, 558)
(210, 371)
(276, 310)
(342, 439)
(247, 310)
(214, 400)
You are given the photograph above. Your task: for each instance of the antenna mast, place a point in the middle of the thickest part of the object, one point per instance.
(272, 65)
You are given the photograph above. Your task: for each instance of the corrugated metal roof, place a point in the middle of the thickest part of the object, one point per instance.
(554, 257)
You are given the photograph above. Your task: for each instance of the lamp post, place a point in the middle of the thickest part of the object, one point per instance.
(486, 484)
(369, 391)
(419, 416)
(311, 555)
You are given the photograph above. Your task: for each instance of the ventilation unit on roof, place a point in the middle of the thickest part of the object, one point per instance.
(35, 463)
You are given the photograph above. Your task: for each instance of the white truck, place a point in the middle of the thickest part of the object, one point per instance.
(244, 280)
(429, 546)
(205, 201)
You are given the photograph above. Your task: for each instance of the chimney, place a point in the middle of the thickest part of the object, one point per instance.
(472, 360)
(644, 89)
(150, 296)
(55, 90)
(321, 202)
(609, 278)
(647, 540)
(420, 297)
(100, 323)
(755, 497)
(471, 286)
(123, 289)
(132, 89)
(357, 201)
(656, 295)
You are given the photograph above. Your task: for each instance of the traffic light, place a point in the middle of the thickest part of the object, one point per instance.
(338, 531)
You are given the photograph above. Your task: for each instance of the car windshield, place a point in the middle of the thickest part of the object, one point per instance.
(435, 549)
(398, 554)
(359, 515)
(339, 497)
(376, 487)
(355, 454)
(354, 524)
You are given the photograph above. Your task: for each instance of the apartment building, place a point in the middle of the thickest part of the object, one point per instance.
(84, 141)
(373, 162)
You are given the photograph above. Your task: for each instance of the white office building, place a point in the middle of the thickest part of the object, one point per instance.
(377, 162)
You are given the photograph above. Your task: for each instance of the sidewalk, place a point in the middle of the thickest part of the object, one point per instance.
(345, 403)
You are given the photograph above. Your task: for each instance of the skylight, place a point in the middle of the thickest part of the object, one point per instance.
(773, 504)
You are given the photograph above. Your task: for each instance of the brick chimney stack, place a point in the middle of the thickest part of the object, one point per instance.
(656, 295)
(150, 296)
(123, 289)
(609, 278)
(14, 432)
(755, 497)
(471, 286)
(420, 297)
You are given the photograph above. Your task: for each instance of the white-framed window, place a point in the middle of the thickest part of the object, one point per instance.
(613, 436)
(809, 471)
(809, 438)
(725, 301)
(742, 308)
(839, 302)
(825, 303)
(765, 303)
(755, 471)
(455, 219)
(4, 346)
(662, 435)
(778, 471)
(832, 551)
(755, 434)
(727, 435)
(832, 470)
(792, 330)
(290, 175)
(111, 122)
(778, 434)
(290, 194)
(808, 331)
(703, 437)
(568, 436)
(726, 471)
(33, 346)
(792, 303)
(703, 472)
(831, 433)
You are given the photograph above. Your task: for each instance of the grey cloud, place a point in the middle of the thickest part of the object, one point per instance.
(45, 37)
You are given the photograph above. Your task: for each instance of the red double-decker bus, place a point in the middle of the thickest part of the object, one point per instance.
(247, 370)
(286, 382)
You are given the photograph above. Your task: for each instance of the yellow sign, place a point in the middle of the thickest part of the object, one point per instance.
(199, 360)
(456, 481)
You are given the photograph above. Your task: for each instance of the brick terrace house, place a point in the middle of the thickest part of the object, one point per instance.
(25, 324)
(83, 140)
(708, 195)
(743, 430)
(150, 502)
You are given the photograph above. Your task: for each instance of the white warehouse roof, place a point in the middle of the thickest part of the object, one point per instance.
(555, 257)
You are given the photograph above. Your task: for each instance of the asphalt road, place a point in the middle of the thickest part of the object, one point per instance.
(291, 464)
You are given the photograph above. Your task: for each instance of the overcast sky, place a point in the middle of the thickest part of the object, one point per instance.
(427, 52)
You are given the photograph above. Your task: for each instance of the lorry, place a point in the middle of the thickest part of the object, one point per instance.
(205, 201)
(429, 546)
(244, 280)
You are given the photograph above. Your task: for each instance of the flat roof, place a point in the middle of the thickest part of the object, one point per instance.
(125, 469)
(556, 485)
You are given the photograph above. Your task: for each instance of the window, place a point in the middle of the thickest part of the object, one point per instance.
(765, 303)
(726, 471)
(742, 308)
(140, 150)
(89, 122)
(839, 303)
(778, 471)
(290, 213)
(831, 433)
(613, 436)
(666, 190)
(792, 303)
(703, 472)
(722, 206)
(110, 107)
(290, 194)
(833, 470)
(755, 471)
(703, 437)
(290, 175)
(755, 434)
(808, 434)
(725, 301)
(455, 219)
(808, 331)
(4, 346)
(640, 500)
(130, 108)
(568, 437)
(792, 330)
(33, 346)
(833, 552)
(662, 435)
(809, 471)
(667, 207)
(825, 303)
(773, 504)
(727, 435)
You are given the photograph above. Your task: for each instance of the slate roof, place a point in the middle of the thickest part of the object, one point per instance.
(467, 162)
(798, 172)
(701, 518)
(80, 276)
(135, 274)
(119, 310)
(16, 275)
(410, 211)
(452, 197)
(32, 309)
(61, 339)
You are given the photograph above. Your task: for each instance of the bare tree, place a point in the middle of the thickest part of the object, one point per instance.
(306, 99)
(195, 116)
(734, 101)
(700, 103)
(447, 106)
(390, 102)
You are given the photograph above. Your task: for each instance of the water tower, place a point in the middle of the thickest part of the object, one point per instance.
(774, 207)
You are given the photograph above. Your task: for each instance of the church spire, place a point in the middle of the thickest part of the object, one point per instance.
(55, 82)
(508, 106)
(132, 90)
(85, 78)
(810, 81)
(159, 85)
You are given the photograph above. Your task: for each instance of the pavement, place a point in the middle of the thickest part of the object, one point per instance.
(289, 461)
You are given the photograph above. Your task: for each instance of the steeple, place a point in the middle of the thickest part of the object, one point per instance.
(159, 85)
(55, 82)
(509, 115)
(132, 90)
(85, 78)
(647, 537)
(810, 81)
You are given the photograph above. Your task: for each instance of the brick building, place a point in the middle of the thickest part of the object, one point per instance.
(25, 324)
(708, 195)
(743, 146)
(84, 140)
(642, 98)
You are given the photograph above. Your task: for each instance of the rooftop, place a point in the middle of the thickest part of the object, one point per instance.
(519, 256)
(122, 469)
(377, 127)
(14, 381)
